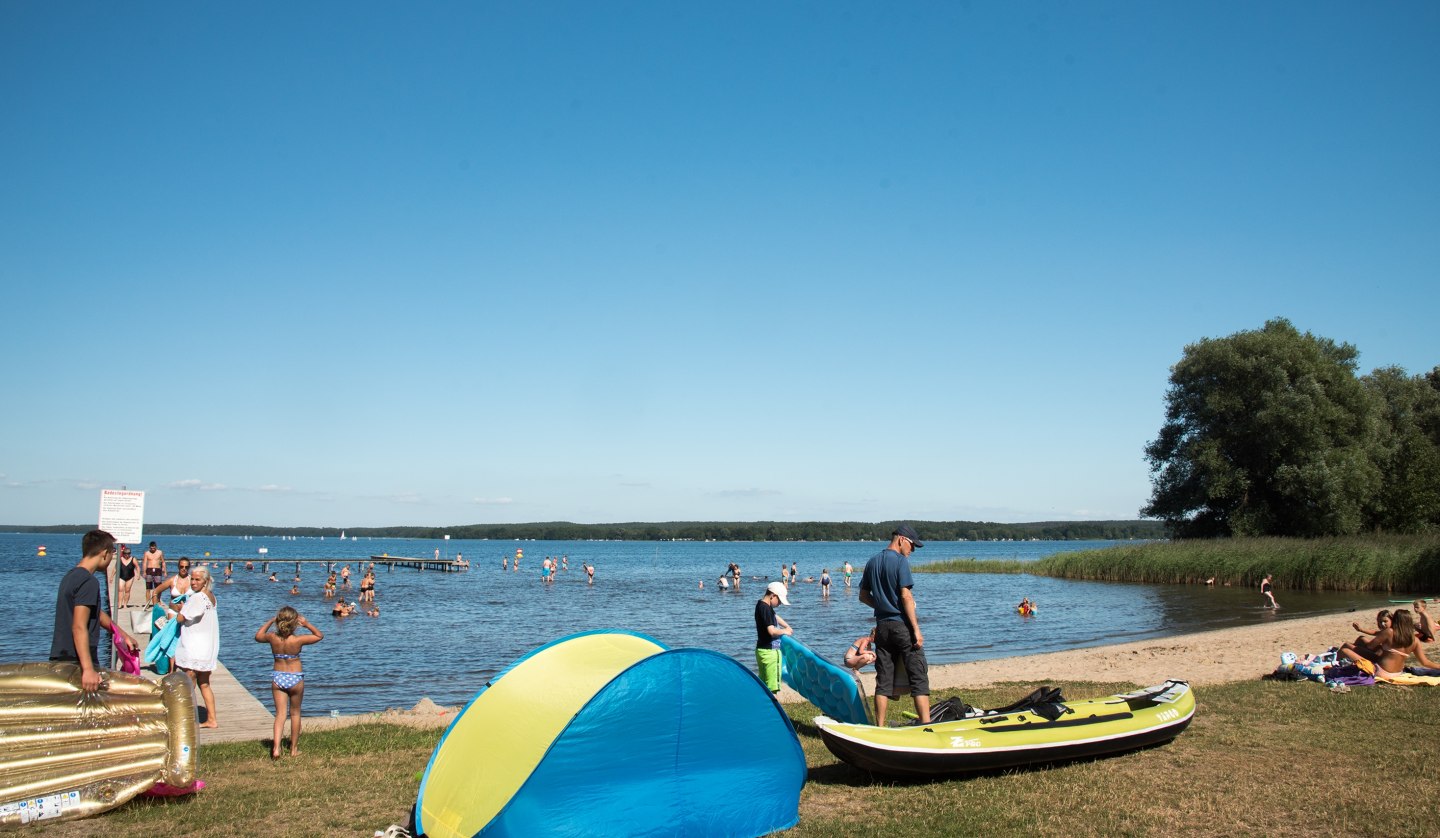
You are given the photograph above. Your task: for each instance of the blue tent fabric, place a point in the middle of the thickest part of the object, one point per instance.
(675, 742)
(687, 742)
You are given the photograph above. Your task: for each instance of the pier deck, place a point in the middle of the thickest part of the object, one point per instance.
(242, 717)
(390, 562)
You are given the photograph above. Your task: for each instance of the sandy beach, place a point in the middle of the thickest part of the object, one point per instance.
(1211, 657)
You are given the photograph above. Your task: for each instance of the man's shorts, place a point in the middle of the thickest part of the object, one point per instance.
(769, 662)
(153, 578)
(893, 647)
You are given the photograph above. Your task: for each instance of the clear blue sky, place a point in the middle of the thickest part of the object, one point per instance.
(440, 263)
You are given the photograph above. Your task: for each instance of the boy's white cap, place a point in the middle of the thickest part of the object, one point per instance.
(778, 589)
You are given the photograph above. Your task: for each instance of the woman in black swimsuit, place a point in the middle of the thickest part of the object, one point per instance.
(125, 574)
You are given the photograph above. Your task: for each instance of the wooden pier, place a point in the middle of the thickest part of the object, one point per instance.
(420, 564)
(333, 565)
(242, 717)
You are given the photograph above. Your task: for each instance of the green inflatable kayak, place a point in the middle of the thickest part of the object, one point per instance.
(1051, 731)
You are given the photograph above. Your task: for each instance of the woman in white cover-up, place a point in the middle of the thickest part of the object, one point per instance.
(198, 652)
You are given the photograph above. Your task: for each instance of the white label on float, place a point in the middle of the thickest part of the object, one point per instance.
(962, 742)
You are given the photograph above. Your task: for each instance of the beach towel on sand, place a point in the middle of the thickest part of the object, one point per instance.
(1408, 680)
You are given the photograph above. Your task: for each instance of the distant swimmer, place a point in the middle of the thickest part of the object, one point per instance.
(589, 573)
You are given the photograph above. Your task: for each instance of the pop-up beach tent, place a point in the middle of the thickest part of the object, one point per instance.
(611, 733)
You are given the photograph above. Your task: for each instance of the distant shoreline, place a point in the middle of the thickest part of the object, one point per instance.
(720, 531)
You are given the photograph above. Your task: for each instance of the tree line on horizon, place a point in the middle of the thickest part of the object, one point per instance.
(685, 531)
(1272, 432)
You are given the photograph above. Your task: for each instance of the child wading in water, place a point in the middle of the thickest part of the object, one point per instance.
(287, 681)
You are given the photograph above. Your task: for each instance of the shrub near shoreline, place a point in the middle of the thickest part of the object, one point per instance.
(1352, 563)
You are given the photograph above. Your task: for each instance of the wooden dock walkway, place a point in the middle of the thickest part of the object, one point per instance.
(420, 564)
(330, 565)
(243, 718)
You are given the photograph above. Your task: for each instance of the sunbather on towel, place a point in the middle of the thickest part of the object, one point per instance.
(1401, 644)
(1369, 643)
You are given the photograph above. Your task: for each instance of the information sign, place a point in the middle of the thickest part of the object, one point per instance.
(122, 514)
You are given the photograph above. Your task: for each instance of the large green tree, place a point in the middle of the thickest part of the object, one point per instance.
(1266, 433)
(1406, 448)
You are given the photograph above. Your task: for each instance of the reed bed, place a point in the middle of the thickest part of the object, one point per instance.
(1357, 563)
(964, 565)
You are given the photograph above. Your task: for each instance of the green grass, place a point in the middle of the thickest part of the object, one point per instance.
(1358, 563)
(1261, 757)
(964, 565)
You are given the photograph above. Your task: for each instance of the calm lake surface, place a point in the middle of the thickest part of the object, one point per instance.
(443, 635)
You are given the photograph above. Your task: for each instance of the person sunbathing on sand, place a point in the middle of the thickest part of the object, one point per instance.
(1424, 626)
(1400, 645)
(1369, 642)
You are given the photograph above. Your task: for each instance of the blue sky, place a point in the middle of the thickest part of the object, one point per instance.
(359, 264)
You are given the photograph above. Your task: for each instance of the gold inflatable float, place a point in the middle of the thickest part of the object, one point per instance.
(67, 754)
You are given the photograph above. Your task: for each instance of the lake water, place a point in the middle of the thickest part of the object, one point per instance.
(443, 635)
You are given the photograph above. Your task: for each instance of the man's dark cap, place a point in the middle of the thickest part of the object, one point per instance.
(909, 532)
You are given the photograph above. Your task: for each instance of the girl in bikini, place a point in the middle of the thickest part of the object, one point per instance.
(287, 681)
(1399, 646)
(1369, 643)
(861, 652)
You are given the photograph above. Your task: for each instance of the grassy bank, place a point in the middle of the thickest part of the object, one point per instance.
(1260, 758)
(1361, 563)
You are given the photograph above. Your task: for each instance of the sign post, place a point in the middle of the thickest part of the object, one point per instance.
(122, 514)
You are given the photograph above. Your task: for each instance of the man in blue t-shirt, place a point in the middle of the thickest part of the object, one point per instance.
(769, 628)
(78, 616)
(886, 586)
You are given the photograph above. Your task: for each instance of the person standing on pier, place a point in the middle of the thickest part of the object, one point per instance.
(125, 572)
(199, 650)
(78, 615)
(154, 561)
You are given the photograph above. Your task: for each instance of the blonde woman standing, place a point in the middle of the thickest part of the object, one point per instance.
(199, 648)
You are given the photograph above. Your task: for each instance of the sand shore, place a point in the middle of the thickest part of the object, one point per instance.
(1210, 657)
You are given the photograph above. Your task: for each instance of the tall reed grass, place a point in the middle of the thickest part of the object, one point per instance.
(1357, 563)
(960, 565)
